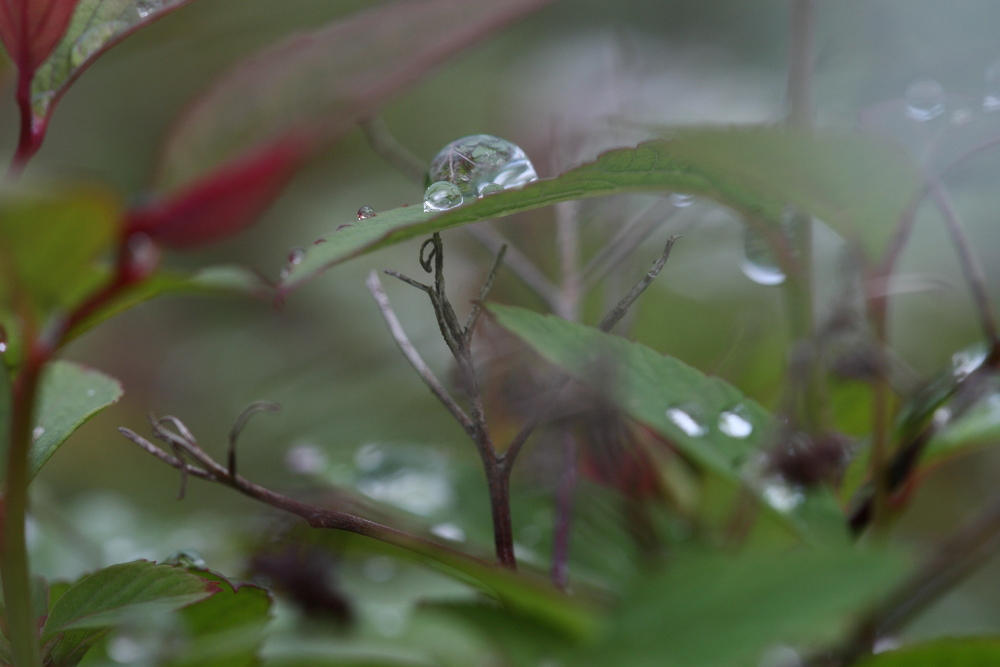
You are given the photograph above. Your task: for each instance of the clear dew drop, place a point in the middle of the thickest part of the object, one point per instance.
(366, 212)
(441, 196)
(37, 433)
(735, 422)
(188, 558)
(472, 163)
(688, 418)
(759, 264)
(782, 496)
(3, 346)
(296, 256)
(924, 100)
(490, 189)
(145, 8)
(91, 41)
(681, 200)
(964, 362)
(306, 460)
(449, 531)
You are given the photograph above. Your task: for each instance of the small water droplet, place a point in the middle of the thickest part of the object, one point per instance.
(681, 200)
(490, 189)
(964, 362)
(883, 644)
(924, 100)
(991, 100)
(366, 212)
(306, 459)
(449, 531)
(91, 41)
(3, 346)
(782, 496)
(187, 558)
(736, 422)
(441, 196)
(296, 256)
(759, 264)
(479, 160)
(91, 392)
(941, 417)
(37, 433)
(40, 102)
(412, 478)
(688, 418)
(146, 7)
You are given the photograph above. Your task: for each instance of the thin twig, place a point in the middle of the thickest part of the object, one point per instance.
(618, 312)
(477, 305)
(626, 239)
(411, 354)
(971, 267)
(568, 244)
(395, 153)
(408, 280)
(517, 262)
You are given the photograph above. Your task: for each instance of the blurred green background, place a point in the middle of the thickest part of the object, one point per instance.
(564, 84)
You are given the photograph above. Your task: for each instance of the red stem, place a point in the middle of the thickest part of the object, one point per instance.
(30, 137)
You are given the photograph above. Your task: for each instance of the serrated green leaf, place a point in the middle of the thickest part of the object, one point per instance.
(106, 597)
(49, 240)
(950, 652)
(648, 386)
(709, 610)
(849, 182)
(96, 26)
(70, 395)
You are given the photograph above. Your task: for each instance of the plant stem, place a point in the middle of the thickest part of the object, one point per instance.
(14, 567)
(564, 514)
(29, 139)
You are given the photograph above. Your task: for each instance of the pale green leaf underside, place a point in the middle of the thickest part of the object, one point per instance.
(858, 187)
(646, 384)
(108, 596)
(70, 395)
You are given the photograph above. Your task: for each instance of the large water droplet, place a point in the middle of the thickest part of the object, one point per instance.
(924, 100)
(366, 212)
(759, 264)
(475, 162)
(735, 422)
(188, 558)
(441, 196)
(681, 200)
(688, 417)
(91, 41)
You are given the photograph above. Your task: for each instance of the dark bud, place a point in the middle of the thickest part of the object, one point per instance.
(809, 461)
(305, 576)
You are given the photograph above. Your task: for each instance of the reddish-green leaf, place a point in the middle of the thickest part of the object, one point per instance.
(30, 29)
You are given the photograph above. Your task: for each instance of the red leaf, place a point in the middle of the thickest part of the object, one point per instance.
(225, 203)
(31, 29)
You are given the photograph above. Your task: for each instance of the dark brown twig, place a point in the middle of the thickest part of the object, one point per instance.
(241, 421)
(517, 262)
(618, 312)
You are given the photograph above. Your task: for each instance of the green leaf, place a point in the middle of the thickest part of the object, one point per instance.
(226, 628)
(70, 395)
(324, 81)
(223, 279)
(979, 427)
(96, 26)
(312, 652)
(49, 240)
(709, 610)
(950, 652)
(849, 182)
(106, 597)
(650, 387)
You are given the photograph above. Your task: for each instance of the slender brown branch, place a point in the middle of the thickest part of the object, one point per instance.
(618, 312)
(411, 354)
(517, 262)
(971, 266)
(625, 240)
(395, 153)
(477, 305)
(241, 421)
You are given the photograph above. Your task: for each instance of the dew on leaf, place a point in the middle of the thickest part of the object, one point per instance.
(924, 100)
(441, 196)
(91, 41)
(964, 362)
(781, 495)
(37, 433)
(366, 212)
(681, 200)
(296, 256)
(475, 162)
(188, 558)
(759, 263)
(490, 189)
(688, 418)
(735, 422)
(991, 100)
(449, 531)
(145, 8)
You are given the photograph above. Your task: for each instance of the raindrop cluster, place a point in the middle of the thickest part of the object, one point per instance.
(472, 167)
